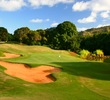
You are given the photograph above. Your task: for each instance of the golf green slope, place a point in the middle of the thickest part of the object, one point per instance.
(78, 80)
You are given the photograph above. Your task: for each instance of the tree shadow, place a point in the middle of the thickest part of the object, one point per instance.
(95, 70)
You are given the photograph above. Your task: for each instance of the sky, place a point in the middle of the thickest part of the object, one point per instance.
(42, 14)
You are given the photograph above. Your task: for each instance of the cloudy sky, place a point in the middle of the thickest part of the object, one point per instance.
(41, 14)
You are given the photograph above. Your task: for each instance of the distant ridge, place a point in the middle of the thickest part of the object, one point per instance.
(93, 31)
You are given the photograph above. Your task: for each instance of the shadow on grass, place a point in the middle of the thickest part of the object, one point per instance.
(95, 70)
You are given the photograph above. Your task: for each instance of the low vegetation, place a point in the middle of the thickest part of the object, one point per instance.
(84, 53)
(98, 53)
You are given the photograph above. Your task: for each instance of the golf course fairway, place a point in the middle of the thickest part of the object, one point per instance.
(75, 78)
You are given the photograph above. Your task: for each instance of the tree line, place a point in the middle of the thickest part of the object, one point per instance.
(63, 37)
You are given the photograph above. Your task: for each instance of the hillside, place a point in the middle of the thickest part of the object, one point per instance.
(95, 30)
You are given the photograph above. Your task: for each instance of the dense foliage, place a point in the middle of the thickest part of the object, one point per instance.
(63, 37)
(21, 33)
(100, 41)
(3, 34)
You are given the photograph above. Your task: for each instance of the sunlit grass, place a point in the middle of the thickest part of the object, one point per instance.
(78, 80)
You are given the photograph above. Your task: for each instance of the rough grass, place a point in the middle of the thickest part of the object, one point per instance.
(79, 79)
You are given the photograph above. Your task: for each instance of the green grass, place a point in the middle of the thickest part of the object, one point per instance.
(1, 54)
(107, 60)
(78, 80)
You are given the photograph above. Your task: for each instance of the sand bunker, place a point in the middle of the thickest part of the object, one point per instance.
(9, 55)
(41, 74)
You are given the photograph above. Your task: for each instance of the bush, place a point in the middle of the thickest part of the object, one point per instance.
(99, 53)
(84, 53)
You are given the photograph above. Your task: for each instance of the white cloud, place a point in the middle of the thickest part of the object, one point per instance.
(80, 6)
(91, 18)
(95, 6)
(105, 14)
(11, 5)
(39, 20)
(36, 20)
(38, 3)
(82, 29)
(100, 5)
(54, 24)
(101, 25)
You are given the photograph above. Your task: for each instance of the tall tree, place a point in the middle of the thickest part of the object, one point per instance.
(3, 34)
(33, 38)
(21, 33)
(50, 35)
(66, 36)
(42, 33)
(10, 37)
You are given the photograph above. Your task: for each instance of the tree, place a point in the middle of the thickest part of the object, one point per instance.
(67, 28)
(74, 43)
(42, 33)
(3, 34)
(50, 35)
(21, 33)
(10, 37)
(33, 38)
(97, 41)
(66, 36)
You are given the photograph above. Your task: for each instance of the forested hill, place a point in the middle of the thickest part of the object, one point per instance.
(93, 31)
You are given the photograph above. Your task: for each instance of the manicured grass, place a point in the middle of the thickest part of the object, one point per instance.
(78, 80)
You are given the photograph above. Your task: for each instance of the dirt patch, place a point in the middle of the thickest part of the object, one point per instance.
(41, 74)
(73, 53)
(6, 98)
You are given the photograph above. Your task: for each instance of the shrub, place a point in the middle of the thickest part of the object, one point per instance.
(93, 55)
(99, 53)
(84, 53)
